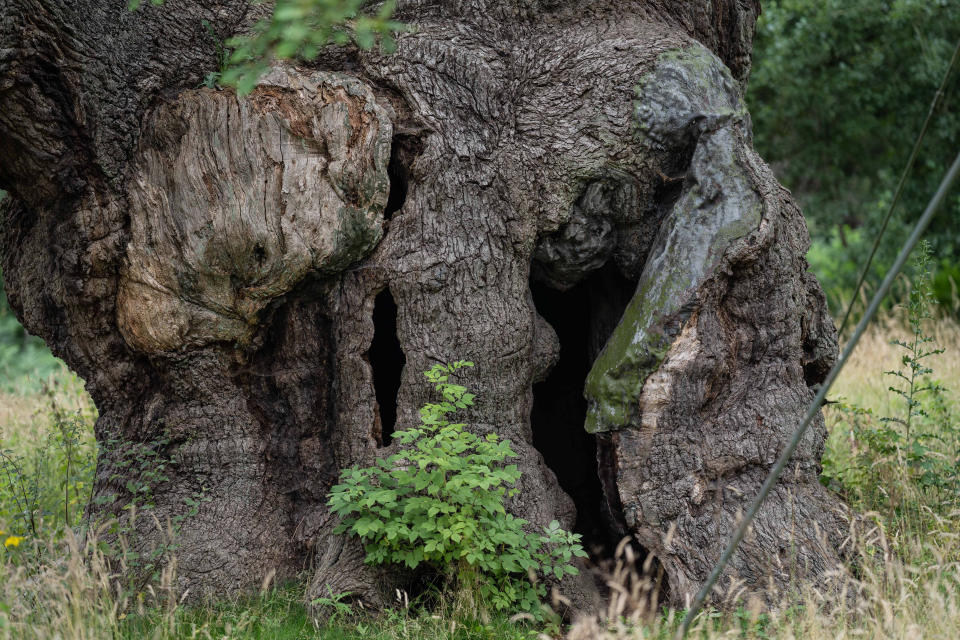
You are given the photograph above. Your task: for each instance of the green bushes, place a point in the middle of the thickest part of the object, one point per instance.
(440, 502)
(838, 93)
(25, 361)
(904, 464)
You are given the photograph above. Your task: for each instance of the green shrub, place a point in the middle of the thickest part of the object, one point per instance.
(905, 464)
(838, 92)
(440, 502)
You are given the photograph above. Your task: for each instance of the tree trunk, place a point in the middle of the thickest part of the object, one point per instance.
(563, 192)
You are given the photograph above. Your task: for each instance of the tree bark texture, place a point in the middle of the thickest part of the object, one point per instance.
(258, 282)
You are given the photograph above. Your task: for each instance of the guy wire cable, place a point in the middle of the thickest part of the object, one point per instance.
(814, 407)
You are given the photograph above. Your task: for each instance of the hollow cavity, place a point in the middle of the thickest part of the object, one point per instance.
(584, 316)
(386, 361)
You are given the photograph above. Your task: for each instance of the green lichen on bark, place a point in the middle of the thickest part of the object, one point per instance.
(689, 97)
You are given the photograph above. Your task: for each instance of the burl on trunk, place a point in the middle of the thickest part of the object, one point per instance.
(563, 192)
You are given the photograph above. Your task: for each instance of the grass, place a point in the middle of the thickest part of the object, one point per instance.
(862, 380)
(25, 414)
(73, 595)
(53, 585)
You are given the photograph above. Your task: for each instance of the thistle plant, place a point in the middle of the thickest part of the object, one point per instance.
(915, 387)
(917, 348)
(913, 449)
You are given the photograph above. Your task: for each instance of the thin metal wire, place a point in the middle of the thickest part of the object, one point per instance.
(934, 104)
(814, 407)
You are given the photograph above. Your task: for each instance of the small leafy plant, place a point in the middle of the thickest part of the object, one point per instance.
(337, 605)
(212, 79)
(897, 462)
(141, 468)
(439, 501)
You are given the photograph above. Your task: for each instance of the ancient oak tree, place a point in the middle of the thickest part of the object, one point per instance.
(563, 192)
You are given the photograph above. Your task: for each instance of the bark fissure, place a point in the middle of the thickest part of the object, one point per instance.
(386, 364)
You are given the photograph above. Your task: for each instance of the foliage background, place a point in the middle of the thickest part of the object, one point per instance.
(25, 360)
(838, 93)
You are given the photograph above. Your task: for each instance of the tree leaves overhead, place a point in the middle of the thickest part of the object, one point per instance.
(299, 29)
(296, 30)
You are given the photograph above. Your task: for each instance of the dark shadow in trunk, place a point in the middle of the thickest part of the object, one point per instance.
(404, 151)
(584, 318)
(386, 360)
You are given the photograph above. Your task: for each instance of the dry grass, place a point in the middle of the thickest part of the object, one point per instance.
(913, 595)
(25, 417)
(862, 381)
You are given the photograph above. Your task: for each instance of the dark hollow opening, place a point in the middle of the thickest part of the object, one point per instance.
(583, 317)
(403, 152)
(386, 361)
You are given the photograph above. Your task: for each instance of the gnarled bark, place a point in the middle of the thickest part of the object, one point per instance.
(211, 266)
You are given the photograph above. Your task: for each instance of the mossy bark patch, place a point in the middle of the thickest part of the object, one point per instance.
(689, 98)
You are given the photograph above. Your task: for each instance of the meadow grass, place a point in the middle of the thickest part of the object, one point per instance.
(25, 412)
(862, 380)
(54, 585)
